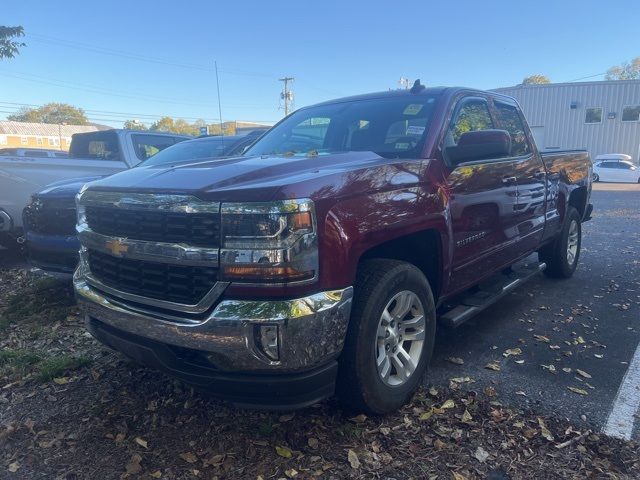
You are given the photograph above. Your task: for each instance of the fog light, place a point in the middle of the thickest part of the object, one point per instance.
(267, 341)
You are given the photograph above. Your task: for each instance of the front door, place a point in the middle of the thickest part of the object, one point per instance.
(481, 200)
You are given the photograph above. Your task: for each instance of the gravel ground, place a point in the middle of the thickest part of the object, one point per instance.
(71, 409)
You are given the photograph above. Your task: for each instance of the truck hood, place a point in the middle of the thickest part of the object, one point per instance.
(66, 188)
(257, 178)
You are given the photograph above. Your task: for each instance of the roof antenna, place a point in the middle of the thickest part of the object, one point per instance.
(417, 87)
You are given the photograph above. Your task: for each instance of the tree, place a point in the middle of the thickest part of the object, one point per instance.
(536, 80)
(625, 71)
(9, 48)
(168, 124)
(134, 125)
(51, 113)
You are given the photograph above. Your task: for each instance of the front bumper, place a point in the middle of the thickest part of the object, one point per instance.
(52, 253)
(223, 352)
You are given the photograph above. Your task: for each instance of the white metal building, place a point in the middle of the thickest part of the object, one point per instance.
(602, 117)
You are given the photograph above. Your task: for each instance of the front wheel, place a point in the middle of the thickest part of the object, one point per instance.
(561, 256)
(596, 177)
(390, 337)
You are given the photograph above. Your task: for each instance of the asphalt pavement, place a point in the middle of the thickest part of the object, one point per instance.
(552, 335)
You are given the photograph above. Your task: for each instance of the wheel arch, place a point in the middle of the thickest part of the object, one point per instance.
(422, 249)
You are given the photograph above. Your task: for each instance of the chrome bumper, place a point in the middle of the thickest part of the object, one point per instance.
(311, 330)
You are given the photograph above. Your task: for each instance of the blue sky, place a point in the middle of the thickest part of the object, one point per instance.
(161, 54)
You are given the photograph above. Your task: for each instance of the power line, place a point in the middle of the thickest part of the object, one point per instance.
(47, 39)
(108, 92)
(116, 116)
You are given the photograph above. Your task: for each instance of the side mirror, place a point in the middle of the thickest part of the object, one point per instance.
(480, 145)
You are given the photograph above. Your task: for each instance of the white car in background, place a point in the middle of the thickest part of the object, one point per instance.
(615, 168)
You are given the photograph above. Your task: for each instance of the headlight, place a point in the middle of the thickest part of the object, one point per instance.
(269, 243)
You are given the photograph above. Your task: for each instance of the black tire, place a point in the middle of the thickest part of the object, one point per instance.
(596, 177)
(555, 254)
(360, 386)
(10, 243)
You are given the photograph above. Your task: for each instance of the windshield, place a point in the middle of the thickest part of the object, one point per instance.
(210, 147)
(392, 127)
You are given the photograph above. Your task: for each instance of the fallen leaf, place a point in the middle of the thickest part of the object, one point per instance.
(519, 362)
(458, 476)
(455, 360)
(490, 391)
(291, 473)
(466, 416)
(385, 430)
(283, 452)
(544, 430)
(541, 338)
(582, 373)
(578, 390)
(521, 393)
(447, 404)
(156, 474)
(189, 457)
(354, 461)
(13, 467)
(493, 366)
(481, 454)
(461, 379)
(141, 441)
(598, 355)
(359, 419)
(286, 418)
(61, 380)
(426, 415)
(312, 442)
(133, 467)
(512, 351)
(439, 444)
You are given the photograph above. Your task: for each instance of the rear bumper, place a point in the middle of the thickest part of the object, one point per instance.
(270, 391)
(53, 253)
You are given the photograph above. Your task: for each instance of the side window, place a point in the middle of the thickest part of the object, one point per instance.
(473, 115)
(511, 121)
(147, 146)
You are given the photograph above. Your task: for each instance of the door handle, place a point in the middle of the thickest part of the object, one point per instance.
(509, 180)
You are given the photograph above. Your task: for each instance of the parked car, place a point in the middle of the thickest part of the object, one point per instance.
(33, 152)
(321, 260)
(90, 154)
(615, 171)
(50, 216)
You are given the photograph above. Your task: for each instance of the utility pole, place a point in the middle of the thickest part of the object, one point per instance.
(286, 95)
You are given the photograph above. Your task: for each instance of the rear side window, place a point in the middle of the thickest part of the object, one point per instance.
(511, 121)
(147, 146)
(95, 146)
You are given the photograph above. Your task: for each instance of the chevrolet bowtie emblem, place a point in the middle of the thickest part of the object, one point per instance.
(116, 247)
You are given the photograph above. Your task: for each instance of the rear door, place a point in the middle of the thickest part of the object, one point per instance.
(529, 209)
(481, 201)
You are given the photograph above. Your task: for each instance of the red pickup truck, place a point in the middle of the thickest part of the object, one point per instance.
(321, 259)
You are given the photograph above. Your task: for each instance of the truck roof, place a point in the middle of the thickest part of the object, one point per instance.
(408, 93)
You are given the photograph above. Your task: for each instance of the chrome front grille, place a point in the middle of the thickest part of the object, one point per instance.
(159, 251)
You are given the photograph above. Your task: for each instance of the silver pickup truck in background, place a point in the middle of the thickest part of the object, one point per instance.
(91, 154)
